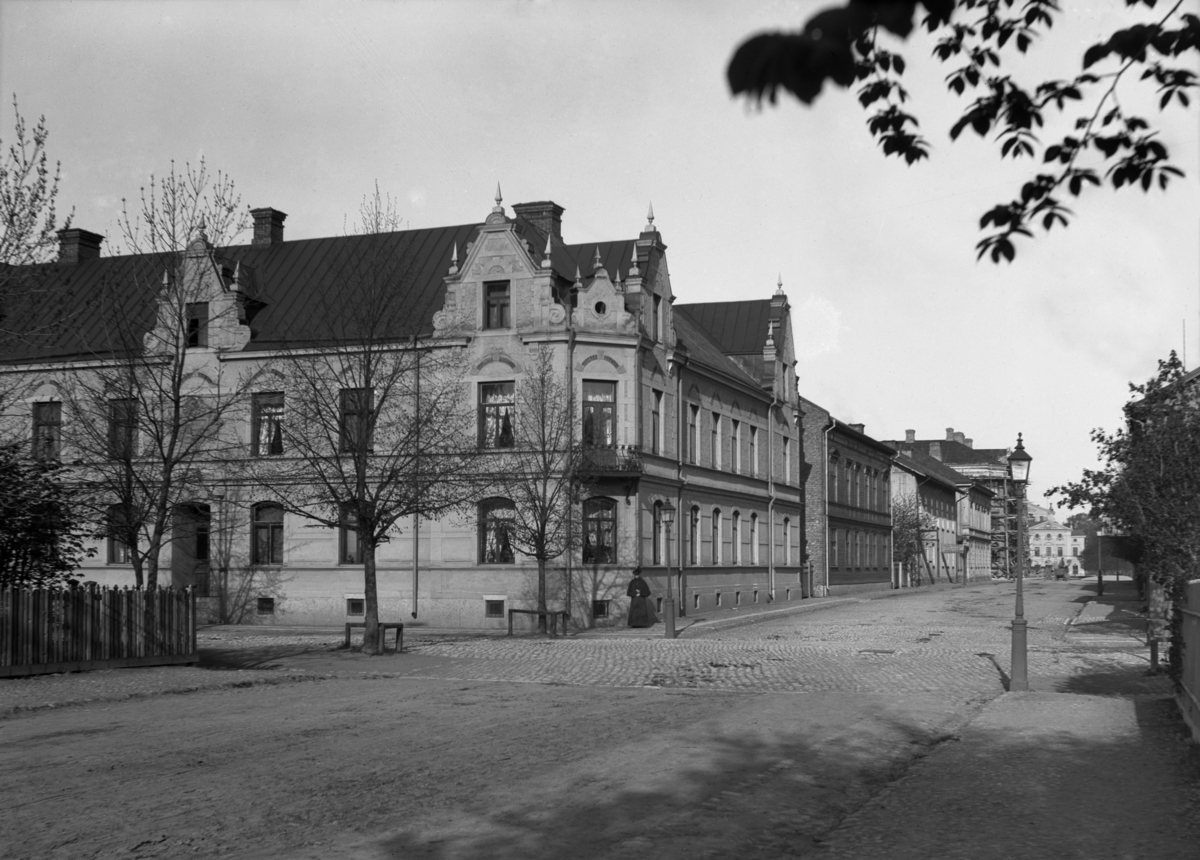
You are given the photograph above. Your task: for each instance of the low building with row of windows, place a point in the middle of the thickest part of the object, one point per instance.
(690, 409)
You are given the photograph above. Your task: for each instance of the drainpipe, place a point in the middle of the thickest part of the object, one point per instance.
(416, 527)
(771, 497)
(680, 427)
(570, 441)
(825, 536)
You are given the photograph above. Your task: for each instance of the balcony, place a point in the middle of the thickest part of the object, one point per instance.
(617, 460)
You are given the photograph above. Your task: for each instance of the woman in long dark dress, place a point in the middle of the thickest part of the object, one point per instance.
(641, 610)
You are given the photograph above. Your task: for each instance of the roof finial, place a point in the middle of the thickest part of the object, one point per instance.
(633, 266)
(237, 272)
(779, 285)
(578, 277)
(770, 333)
(454, 259)
(650, 218)
(546, 256)
(499, 200)
(596, 264)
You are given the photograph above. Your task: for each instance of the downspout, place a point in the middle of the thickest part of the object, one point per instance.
(679, 481)
(570, 443)
(638, 424)
(825, 536)
(771, 497)
(416, 525)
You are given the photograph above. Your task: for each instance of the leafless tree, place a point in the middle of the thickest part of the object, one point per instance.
(148, 412)
(376, 427)
(539, 474)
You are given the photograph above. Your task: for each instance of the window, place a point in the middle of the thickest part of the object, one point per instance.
(735, 447)
(267, 529)
(203, 534)
(266, 419)
(493, 609)
(356, 606)
(496, 301)
(833, 548)
(833, 481)
(355, 426)
(716, 536)
(694, 537)
(718, 598)
(1037, 550)
(1075, 551)
(1060, 552)
(754, 452)
(693, 434)
(197, 324)
(350, 549)
(787, 541)
(122, 428)
(787, 460)
(599, 414)
(735, 537)
(716, 440)
(657, 536)
(118, 550)
(599, 531)
(656, 319)
(656, 444)
(754, 538)
(600, 608)
(496, 407)
(47, 430)
(496, 520)
(266, 606)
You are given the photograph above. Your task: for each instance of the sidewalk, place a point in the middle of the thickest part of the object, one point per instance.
(1049, 774)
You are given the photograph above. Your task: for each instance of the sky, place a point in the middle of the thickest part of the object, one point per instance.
(605, 107)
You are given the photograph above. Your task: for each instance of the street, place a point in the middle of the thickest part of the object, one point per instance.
(751, 741)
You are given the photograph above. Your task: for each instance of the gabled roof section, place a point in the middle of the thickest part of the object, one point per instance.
(703, 349)
(956, 453)
(739, 328)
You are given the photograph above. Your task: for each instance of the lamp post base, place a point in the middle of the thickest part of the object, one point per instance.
(1019, 682)
(668, 618)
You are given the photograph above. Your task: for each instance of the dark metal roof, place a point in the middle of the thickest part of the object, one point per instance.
(740, 328)
(703, 348)
(300, 285)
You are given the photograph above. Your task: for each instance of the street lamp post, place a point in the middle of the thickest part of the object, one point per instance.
(668, 518)
(1018, 465)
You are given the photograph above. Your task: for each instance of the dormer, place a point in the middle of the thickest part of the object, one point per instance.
(648, 286)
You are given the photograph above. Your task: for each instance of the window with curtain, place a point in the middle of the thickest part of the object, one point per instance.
(694, 537)
(599, 413)
(355, 425)
(496, 519)
(351, 548)
(496, 414)
(266, 424)
(716, 536)
(47, 430)
(599, 531)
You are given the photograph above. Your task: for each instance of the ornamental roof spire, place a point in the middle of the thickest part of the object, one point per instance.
(546, 255)
(650, 228)
(499, 207)
(454, 260)
(779, 285)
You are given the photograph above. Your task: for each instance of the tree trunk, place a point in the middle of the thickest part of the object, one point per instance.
(371, 638)
(541, 604)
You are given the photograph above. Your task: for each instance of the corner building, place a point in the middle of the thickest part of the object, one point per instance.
(689, 406)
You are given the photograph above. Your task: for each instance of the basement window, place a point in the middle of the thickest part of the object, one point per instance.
(356, 606)
(493, 609)
(600, 608)
(266, 606)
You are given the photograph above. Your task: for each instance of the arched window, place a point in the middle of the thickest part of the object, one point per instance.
(267, 530)
(754, 538)
(787, 541)
(694, 537)
(716, 536)
(735, 537)
(599, 531)
(658, 533)
(496, 518)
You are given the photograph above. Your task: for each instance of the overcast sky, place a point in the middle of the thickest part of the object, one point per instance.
(604, 107)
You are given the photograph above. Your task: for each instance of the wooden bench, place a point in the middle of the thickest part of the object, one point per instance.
(384, 627)
(552, 614)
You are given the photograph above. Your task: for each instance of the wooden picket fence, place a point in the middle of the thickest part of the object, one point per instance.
(1189, 683)
(45, 630)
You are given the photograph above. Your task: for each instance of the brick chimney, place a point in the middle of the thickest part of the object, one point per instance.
(935, 450)
(960, 437)
(910, 435)
(546, 215)
(861, 428)
(949, 434)
(970, 443)
(268, 226)
(77, 246)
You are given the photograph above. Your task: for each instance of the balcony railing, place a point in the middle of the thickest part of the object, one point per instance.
(619, 459)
